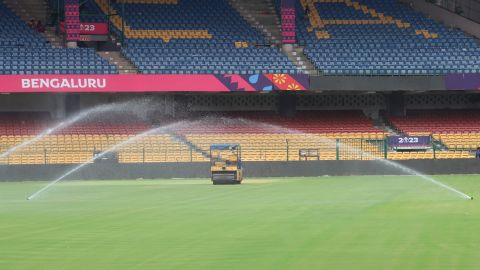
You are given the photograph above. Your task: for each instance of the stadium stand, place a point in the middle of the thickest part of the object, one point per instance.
(79, 148)
(264, 142)
(24, 51)
(369, 37)
(77, 143)
(271, 137)
(209, 37)
(337, 122)
(456, 129)
(329, 135)
(429, 155)
(23, 123)
(90, 12)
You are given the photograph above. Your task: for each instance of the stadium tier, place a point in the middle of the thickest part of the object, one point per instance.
(369, 37)
(79, 148)
(23, 123)
(265, 140)
(452, 154)
(29, 124)
(79, 142)
(329, 135)
(270, 137)
(24, 51)
(340, 37)
(332, 122)
(456, 129)
(194, 37)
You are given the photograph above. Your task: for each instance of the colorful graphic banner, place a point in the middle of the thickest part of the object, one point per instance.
(150, 83)
(72, 20)
(463, 81)
(88, 28)
(409, 142)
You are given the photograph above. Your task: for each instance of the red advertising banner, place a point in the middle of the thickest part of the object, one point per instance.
(150, 83)
(88, 28)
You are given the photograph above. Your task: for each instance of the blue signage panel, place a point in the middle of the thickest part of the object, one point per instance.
(409, 142)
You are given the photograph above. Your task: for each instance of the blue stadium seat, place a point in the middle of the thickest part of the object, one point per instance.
(385, 48)
(216, 55)
(24, 51)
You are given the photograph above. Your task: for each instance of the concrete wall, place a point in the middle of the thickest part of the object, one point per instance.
(377, 83)
(469, 8)
(28, 103)
(448, 18)
(252, 169)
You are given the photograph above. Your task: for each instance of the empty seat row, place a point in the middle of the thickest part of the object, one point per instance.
(360, 37)
(24, 51)
(192, 34)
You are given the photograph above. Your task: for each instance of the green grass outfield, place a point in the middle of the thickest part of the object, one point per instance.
(375, 222)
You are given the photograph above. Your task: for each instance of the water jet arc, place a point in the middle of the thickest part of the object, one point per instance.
(387, 162)
(70, 121)
(111, 149)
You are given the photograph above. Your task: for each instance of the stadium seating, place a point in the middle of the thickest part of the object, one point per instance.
(279, 146)
(456, 129)
(429, 155)
(29, 124)
(264, 140)
(90, 12)
(194, 37)
(344, 135)
(322, 122)
(269, 137)
(370, 37)
(74, 148)
(24, 51)
(77, 143)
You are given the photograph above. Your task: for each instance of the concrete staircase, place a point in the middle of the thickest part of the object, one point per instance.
(52, 37)
(262, 15)
(382, 123)
(36, 10)
(123, 64)
(392, 130)
(193, 147)
(304, 64)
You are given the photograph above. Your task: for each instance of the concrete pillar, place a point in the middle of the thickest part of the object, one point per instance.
(73, 104)
(169, 105)
(60, 111)
(396, 104)
(286, 104)
(181, 109)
